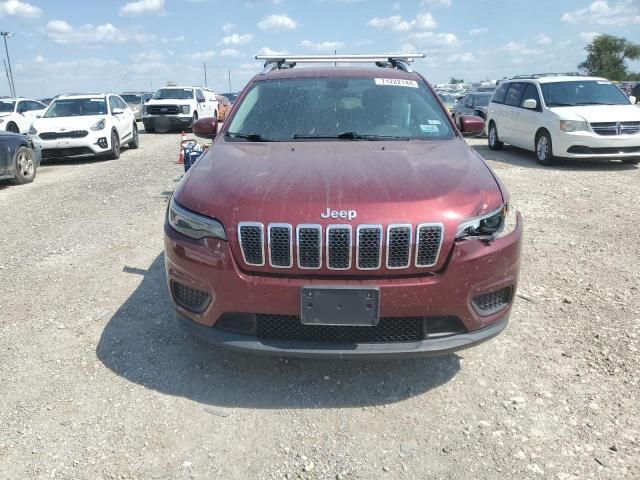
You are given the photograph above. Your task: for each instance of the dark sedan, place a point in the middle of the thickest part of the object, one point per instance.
(18, 158)
(474, 103)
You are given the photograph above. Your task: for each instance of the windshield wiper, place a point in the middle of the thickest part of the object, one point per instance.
(349, 136)
(252, 137)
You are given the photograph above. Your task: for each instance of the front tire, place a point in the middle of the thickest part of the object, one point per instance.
(25, 167)
(493, 139)
(114, 154)
(135, 141)
(544, 149)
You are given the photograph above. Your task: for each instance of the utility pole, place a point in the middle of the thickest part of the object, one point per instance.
(205, 73)
(230, 90)
(6, 70)
(12, 85)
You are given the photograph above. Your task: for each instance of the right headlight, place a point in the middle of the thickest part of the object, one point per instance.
(193, 225)
(574, 126)
(491, 226)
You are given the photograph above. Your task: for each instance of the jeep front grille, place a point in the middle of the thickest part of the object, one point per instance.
(337, 249)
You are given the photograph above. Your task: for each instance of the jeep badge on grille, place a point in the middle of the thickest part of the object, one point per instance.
(348, 214)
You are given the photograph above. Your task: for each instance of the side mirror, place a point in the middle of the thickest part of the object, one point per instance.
(633, 99)
(117, 111)
(202, 100)
(470, 125)
(206, 127)
(38, 116)
(530, 103)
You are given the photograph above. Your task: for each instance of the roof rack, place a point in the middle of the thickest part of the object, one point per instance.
(400, 61)
(540, 75)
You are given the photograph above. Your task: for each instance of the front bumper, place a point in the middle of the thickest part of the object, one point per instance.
(473, 268)
(592, 145)
(96, 143)
(167, 121)
(283, 348)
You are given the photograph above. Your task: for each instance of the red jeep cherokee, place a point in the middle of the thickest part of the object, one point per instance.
(340, 213)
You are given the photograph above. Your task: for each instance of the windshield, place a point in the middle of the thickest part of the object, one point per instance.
(131, 98)
(174, 94)
(76, 107)
(482, 100)
(349, 108)
(447, 99)
(7, 106)
(586, 92)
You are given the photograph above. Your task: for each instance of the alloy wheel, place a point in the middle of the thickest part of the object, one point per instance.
(543, 148)
(25, 165)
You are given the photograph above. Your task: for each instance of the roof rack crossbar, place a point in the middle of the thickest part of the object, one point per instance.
(400, 61)
(540, 75)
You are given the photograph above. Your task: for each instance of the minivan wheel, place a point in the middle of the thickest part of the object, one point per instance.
(544, 149)
(25, 167)
(494, 141)
(135, 141)
(114, 154)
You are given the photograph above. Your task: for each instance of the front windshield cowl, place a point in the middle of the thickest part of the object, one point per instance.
(344, 108)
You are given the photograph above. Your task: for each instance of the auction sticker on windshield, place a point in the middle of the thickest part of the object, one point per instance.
(396, 82)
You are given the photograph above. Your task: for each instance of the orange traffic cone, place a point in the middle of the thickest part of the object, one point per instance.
(181, 156)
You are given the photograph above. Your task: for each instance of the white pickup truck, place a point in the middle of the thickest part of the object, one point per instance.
(177, 107)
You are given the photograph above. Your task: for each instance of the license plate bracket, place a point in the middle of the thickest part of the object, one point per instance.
(339, 306)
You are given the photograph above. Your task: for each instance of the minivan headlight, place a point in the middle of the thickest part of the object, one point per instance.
(574, 126)
(193, 225)
(491, 226)
(98, 126)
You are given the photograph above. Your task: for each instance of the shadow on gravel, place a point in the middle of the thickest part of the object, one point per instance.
(523, 158)
(143, 343)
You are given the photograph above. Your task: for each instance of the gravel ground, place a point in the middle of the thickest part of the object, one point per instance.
(98, 382)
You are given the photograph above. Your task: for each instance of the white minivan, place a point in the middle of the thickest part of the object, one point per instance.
(564, 116)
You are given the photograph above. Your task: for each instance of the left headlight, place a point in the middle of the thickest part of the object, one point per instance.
(186, 109)
(193, 225)
(491, 226)
(574, 126)
(98, 126)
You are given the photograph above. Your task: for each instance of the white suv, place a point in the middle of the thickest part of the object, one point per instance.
(565, 116)
(85, 125)
(178, 107)
(17, 114)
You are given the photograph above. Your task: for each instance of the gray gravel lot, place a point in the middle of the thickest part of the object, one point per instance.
(97, 382)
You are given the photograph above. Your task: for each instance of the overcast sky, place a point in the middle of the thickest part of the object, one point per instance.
(84, 45)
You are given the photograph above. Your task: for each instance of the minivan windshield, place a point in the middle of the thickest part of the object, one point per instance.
(7, 107)
(131, 98)
(349, 108)
(582, 92)
(174, 94)
(76, 107)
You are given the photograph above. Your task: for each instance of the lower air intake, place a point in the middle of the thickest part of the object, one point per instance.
(190, 298)
(492, 302)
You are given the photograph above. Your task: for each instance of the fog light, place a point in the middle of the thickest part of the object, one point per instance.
(492, 302)
(102, 142)
(190, 298)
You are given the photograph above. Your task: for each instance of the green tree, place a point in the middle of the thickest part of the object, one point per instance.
(607, 57)
(455, 81)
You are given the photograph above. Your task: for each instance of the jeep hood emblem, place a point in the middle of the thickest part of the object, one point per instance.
(344, 214)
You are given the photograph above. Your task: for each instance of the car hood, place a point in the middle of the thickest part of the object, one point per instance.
(61, 124)
(384, 182)
(170, 101)
(599, 113)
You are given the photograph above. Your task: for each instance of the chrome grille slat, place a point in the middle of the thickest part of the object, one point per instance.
(369, 247)
(339, 247)
(309, 243)
(428, 243)
(280, 245)
(399, 246)
(251, 238)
